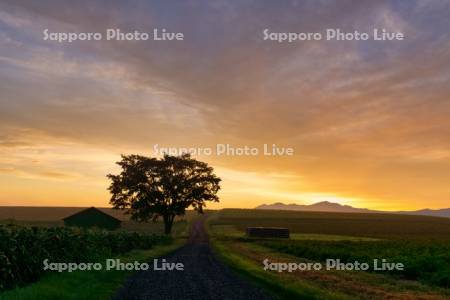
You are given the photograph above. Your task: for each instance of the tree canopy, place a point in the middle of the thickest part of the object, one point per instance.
(149, 188)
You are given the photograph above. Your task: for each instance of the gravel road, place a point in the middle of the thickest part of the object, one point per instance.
(204, 276)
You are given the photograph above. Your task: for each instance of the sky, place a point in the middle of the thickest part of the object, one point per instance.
(368, 120)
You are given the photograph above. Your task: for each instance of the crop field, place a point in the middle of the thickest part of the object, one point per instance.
(52, 217)
(348, 224)
(55, 214)
(421, 244)
(424, 261)
(179, 226)
(30, 235)
(23, 249)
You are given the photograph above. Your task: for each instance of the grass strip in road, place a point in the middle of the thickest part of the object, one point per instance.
(87, 285)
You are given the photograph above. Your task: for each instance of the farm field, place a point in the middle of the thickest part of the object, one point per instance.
(348, 224)
(23, 249)
(422, 244)
(52, 217)
(40, 234)
(179, 226)
(55, 214)
(95, 285)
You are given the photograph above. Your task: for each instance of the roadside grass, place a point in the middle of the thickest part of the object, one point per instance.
(279, 287)
(88, 285)
(344, 284)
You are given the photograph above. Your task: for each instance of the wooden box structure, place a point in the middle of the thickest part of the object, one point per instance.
(268, 232)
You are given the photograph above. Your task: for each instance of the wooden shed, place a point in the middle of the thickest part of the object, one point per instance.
(267, 232)
(92, 217)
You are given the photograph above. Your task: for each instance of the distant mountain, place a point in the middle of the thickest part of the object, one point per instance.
(445, 212)
(319, 206)
(326, 206)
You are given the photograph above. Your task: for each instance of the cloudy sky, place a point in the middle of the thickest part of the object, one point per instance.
(368, 120)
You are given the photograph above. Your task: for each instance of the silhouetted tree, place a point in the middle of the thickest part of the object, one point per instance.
(149, 188)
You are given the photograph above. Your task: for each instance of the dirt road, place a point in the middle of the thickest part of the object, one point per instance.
(204, 276)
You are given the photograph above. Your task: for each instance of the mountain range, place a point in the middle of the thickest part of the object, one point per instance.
(326, 206)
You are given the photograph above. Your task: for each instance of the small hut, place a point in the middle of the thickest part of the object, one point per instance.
(92, 217)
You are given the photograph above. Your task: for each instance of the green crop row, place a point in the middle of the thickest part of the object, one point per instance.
(23, 249)
(427, 261)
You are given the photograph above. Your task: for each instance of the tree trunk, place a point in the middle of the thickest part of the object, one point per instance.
(168, 221)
